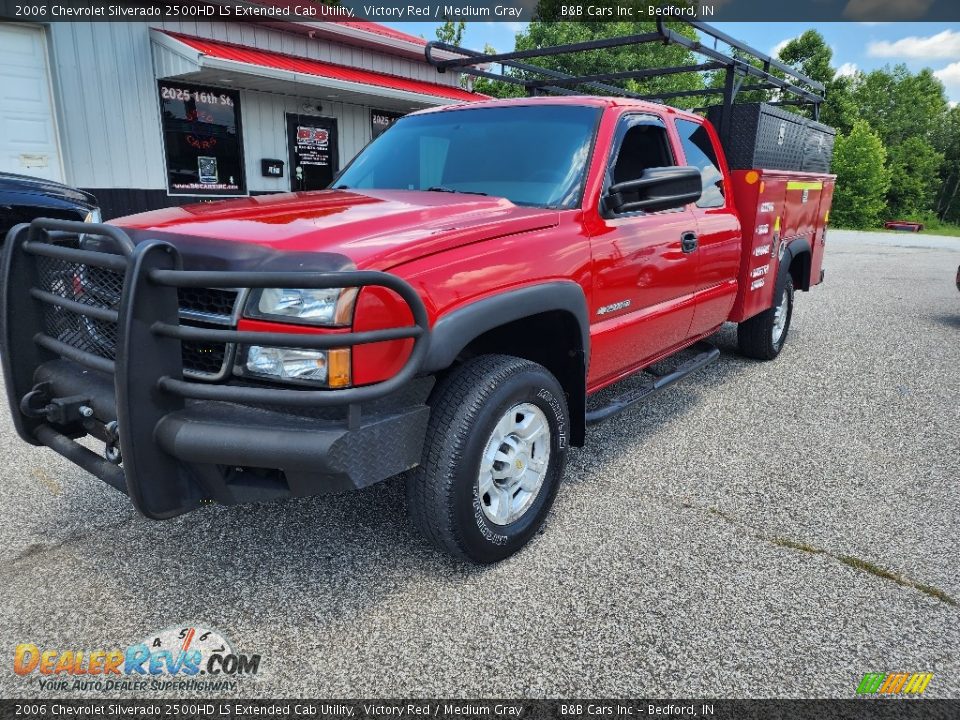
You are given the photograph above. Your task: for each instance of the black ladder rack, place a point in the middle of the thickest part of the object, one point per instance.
(795, 87)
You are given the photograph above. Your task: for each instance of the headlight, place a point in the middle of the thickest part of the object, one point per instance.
(92, 216)
(330, 368)
(329, 306)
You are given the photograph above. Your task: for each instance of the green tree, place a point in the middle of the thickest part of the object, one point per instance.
(811, 55)
(899, 104)
(907, 111)
(915, 176)
(947, 141)
(860, 162)
(496, 88)
(451, 32)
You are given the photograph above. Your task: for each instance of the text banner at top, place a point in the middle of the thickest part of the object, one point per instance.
(483, 10)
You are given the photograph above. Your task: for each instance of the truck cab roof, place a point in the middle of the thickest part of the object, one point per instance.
(568, 100)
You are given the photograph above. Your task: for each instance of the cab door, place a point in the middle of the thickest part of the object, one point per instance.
(644, 264)
(718, 228)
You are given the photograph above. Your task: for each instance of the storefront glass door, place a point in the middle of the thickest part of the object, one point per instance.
(313, 151)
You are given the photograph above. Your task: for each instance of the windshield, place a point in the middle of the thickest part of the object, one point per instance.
(531, 155)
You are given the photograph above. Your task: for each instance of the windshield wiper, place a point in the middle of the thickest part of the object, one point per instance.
(441, 188)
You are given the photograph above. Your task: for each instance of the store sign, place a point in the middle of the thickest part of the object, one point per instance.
(380, 120)
(203, 144)
(313, 146)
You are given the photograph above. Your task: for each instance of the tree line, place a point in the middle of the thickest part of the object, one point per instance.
(897, 153)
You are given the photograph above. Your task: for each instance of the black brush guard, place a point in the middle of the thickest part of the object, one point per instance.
(184, 443)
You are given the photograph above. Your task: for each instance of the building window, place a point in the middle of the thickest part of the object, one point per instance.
(202, 140)
(380, 120)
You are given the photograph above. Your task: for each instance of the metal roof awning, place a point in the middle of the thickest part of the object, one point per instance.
(177, 56)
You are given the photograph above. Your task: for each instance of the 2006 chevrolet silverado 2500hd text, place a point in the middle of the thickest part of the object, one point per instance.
(476, 273)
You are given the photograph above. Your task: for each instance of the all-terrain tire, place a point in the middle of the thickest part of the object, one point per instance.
(756, 337)
(469, 407)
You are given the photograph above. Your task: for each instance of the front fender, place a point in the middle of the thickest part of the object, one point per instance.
(455, 330)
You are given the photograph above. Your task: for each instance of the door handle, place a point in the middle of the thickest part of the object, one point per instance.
(688, 241)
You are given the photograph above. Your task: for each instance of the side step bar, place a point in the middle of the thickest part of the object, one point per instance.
(706, 354)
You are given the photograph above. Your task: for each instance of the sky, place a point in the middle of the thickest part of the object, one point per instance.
(860, 46)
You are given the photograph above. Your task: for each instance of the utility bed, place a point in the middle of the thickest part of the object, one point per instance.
(777, 208)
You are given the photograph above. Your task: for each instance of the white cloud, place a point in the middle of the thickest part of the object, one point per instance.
(950, 77)
(775, 50)
(847, 69)
(945, 44)
(951, 73)
(886, 9)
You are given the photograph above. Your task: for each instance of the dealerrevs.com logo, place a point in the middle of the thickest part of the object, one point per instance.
(179, 658)
(908, 684)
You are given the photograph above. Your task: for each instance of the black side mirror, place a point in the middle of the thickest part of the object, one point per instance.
(659, 188)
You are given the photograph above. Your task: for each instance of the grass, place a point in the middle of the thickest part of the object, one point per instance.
(849, 560)
(873, 569)
(795, 545)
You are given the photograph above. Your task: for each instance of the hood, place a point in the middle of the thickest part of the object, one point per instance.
(10, 182)
(374, 229)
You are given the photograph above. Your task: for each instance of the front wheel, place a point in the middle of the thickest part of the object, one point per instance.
(495, 451)
(762, 336)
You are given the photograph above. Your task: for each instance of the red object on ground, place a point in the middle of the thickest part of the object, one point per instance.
(903, 225)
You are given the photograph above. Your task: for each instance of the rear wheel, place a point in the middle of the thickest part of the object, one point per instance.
(762, 336)
(495, 451)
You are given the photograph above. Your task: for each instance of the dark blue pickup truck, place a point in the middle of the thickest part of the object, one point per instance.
(23, 198)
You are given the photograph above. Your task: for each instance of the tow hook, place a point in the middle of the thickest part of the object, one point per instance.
(61, 411)
(35, 403)
(112, 449)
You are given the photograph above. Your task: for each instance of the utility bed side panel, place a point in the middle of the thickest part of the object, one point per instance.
(819, 244)
(776, 207)
(800, 213)
(760, 205)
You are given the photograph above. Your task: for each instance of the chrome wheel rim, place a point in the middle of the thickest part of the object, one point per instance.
(514, 464)
(780, 317)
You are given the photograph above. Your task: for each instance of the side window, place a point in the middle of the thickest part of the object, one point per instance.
(644, 145)
(700, 154)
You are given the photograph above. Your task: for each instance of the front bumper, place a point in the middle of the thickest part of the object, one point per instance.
(172, 443)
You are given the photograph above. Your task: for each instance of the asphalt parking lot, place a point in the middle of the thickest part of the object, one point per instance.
(765, 530)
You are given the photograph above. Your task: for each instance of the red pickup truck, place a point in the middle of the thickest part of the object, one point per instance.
(475, 275)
